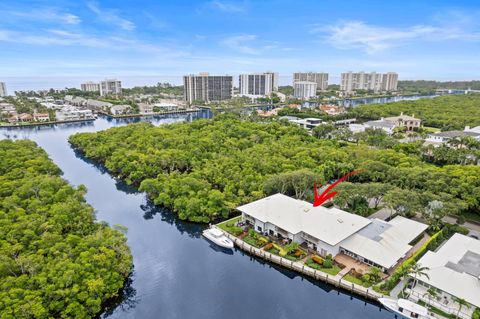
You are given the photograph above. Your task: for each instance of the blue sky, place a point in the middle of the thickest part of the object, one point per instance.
(63, 39)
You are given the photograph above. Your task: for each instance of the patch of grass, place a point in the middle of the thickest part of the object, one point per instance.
(356, 281)
(431, 129)
(229, 226)
(436, 310)
(331, 271)
(471, 216)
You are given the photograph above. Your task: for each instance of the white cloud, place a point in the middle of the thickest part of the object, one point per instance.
(245, 43)
(372, 39)
(44, 14)
(227, 6)
(111, 16)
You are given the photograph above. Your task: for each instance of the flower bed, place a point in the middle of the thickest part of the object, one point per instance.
(325, 265)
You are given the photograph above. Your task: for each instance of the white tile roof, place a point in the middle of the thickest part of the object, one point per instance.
(385, 243)
(330, 225)
(447, 270)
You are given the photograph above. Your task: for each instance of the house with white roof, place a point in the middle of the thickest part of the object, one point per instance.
(440, 138)
(453, 271)
(334, 231)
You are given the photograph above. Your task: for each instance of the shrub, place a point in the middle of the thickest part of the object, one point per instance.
(329, 257)
(476, 314)
(268, 246)
(229, 224)
(328, 263)
(318, 260)
(298, 253)
(236, 230)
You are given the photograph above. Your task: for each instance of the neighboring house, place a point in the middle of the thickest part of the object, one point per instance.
(166, 106)
(454, 272)
(120, 109)
(410, 122)
(41, 117)
(71, 113)
(334, 231)
(308, 123)
(440, 138)
(98, 105)
(356, 128)
(332, 109)
(475, 129)
(381, 124)
(145, 108)
(25, 117)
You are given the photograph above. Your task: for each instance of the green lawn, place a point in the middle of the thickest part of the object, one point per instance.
(229, 225)
(356, 281)
(431, 129)
(331, 271)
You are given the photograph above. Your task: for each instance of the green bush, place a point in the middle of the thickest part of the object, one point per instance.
(317, 259)
(229, 225)
(237, 230)
(476, 314)
(327, 263)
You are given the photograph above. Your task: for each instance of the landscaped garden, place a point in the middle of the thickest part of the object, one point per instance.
(373, 276)
(326, 265)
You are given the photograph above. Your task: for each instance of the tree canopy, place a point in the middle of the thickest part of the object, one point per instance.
(55, 260)
(204, 169)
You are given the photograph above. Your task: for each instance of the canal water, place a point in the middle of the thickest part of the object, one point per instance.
(382, 100)
(177, 273)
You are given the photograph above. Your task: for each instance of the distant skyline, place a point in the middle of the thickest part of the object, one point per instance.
(65, 42)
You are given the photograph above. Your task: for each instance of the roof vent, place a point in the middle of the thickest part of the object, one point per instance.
(306, 210)
(339, 220)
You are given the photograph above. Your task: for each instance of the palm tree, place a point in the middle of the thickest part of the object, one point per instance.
(417, 271)
(431, 293)
(461, 303)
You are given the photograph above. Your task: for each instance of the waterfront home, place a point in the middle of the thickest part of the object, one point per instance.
(41, 117)
(145, 108)
(98, 105)
(71, 113)
(334, 231)
(120, 109)
(453, 272)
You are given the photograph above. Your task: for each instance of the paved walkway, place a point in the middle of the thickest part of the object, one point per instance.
(382, 214)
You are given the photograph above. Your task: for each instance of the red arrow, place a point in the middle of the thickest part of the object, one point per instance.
(325, 195)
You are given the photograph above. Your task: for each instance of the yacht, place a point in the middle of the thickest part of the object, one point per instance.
(218, 237)
(405, 308)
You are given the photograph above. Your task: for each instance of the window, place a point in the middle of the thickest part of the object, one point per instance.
(259, 228)
(270, 232)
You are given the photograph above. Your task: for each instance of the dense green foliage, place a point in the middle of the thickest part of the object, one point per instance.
(55, 261)
(445, 112)
(160, 89)
(206, 168)
(422, 86)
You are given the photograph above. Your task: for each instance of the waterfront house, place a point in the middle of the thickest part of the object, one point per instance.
(453, 272)
(71, 113)
(41, 117)
(120, 109)
(334, 231)
(145, 108)
(381, 124)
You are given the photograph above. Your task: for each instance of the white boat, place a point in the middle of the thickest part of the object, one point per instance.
(406, 308)
(218, 237)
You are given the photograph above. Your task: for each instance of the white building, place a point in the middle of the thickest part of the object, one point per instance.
(120, 109)
(318, 77)
(260, 84)
(440, 138)
(71, 113)
(453, 271)
(307, 123)
(3, 89)
(207, 88)
(110, 86)
(334, 231)
(304, 90)
(377, 82)
(90, 87)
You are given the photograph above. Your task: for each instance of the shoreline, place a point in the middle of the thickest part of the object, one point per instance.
(44, 123)
(146, 114)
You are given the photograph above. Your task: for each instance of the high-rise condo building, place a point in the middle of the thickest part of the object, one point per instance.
(372, 81)
(207, 88)
(256, 84)
(3, 89)
(304, 90)
(320, 78)
(110, 86)
(90, 87)
(390, 81)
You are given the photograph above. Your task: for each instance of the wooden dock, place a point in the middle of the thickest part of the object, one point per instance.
(336, 281)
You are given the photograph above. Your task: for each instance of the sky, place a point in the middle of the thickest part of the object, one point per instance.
(60, 43)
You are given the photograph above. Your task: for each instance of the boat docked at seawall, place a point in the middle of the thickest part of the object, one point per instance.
(406, 308)
(217, 237)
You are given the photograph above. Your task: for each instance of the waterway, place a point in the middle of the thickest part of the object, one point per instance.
(177, 273)
(385, 99)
